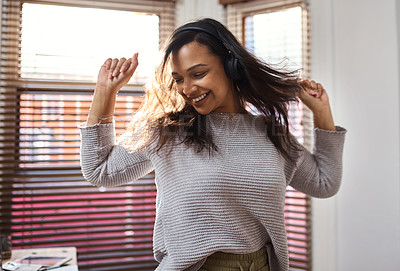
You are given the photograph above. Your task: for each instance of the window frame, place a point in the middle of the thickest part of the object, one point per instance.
(235, 18)
(12, 85)
(164, 9)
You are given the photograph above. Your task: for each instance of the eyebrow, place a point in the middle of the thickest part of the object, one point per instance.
(191, 68)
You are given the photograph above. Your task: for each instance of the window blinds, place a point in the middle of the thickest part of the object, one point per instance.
(44, 199)
(277, 32)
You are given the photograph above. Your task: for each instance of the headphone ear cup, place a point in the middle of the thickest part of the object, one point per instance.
(233, 68)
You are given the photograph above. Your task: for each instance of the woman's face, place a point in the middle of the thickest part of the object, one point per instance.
(201, 79)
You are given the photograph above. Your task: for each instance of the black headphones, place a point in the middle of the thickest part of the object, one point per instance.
(233, 67)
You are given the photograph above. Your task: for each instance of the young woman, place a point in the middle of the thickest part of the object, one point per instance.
(221, 172)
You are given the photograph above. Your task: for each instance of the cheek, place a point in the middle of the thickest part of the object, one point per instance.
(219, 82)
(179, 90)
(179, 93)
(210, 83)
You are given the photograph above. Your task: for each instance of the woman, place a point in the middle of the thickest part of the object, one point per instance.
(221, 171)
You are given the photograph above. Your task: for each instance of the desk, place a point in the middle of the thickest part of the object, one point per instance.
(53, 251)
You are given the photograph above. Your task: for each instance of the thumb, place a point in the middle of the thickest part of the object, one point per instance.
(134, 63)
(307, 99)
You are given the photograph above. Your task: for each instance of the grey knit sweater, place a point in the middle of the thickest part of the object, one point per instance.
(231, 201)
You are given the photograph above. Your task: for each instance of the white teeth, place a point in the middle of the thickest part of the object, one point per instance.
(200, 98)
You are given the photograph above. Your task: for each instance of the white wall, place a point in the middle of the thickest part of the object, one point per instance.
(355, 52)
(324, 227)
(363, 63)
(188, 10)
(356, 55)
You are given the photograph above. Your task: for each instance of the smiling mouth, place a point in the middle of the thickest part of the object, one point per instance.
(201, 97)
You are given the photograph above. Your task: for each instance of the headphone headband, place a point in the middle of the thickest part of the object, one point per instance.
(233, 67)
(210, 32)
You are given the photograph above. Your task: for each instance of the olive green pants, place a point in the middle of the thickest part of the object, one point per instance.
(219, 261)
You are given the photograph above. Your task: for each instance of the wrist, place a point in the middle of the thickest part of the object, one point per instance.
(105, 90)
(323, 119)
(102, 107)
(93, 119)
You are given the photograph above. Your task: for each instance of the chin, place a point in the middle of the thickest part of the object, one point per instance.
(202, 111)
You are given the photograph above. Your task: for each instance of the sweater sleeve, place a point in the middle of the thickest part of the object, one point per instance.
(104, 163)
(319, 174)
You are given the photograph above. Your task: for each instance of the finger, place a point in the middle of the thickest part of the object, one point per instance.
(107, 63)
(112, 67)
(307, 93)
(305, 97)
(104, 70)
(126, 65)
(324, 95)
(313, 85)
(118, 67)
(305, 84)
(310, 87)
(319, 90)
(134, 63)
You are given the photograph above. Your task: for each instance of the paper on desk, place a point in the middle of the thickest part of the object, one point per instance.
(28, 267)
(66, 268)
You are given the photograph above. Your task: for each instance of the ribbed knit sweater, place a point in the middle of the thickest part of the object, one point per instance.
(230, 201)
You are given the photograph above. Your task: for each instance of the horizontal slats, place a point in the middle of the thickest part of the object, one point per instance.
(302, 255)
(142, 251)
(148, 179)
(128, 204)
(119, 128)
(111, 225)
(145, 247)
(87, 219)
(134, 232)
(142, 238)
(88, 190)
(32, 187)
(137, 265)
(29, 221)
(38, 199)
(66, 193)
(44, 115)
(109, 211)
(65, 87)
(117, 254)
(112, 243)
(99, 211)
(303, 245)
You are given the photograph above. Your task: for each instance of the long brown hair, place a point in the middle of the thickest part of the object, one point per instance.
(166, 116)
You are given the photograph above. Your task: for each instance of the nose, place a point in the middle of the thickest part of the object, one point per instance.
(189, 88)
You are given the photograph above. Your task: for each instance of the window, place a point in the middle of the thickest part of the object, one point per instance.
(55, 47)
(49, 63)
(276, 31)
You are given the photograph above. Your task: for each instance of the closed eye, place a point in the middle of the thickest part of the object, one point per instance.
(199, 74)
(178, 80)
(196, 75)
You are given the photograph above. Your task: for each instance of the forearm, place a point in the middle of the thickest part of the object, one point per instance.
(320, 174)
(105, 163)
(102, 108)
(323, 119)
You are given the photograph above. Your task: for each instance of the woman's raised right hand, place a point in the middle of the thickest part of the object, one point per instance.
(116, 73)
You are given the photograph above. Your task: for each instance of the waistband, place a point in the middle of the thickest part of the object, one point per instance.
(239, 257)
(220, 261)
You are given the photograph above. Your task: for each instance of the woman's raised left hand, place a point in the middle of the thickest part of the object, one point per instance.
(315, 97)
